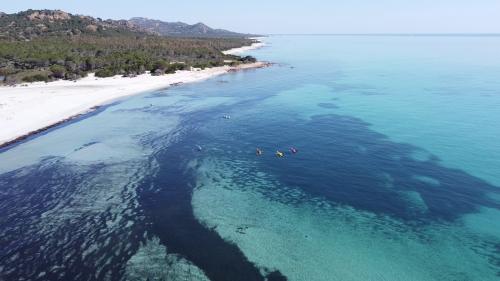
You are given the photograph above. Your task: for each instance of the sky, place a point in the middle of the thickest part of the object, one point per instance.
(296, 17)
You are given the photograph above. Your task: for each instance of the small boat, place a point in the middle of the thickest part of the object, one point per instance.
(280, 154)
(226, 117)
(259, 152)
(198, 148)
(294, 150)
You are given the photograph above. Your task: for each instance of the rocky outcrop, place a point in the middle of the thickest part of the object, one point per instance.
(29, 24)
(91, 28)
(51, 16)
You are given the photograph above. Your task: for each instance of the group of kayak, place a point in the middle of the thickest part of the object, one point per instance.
(278, 153)
(259, 151)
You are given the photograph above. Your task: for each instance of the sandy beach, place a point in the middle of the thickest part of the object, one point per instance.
(241, 50)
(29, 108)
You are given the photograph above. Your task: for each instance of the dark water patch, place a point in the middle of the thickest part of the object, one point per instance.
(166, 197)
(276, 276)
(53, 228)
(350, 176)
(166, 200)
(331, 165)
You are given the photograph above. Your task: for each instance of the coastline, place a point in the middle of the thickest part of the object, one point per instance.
(32, 108)
(237, 51)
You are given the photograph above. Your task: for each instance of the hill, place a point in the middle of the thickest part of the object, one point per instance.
(43, 45)
(180, 29)
(31, 24)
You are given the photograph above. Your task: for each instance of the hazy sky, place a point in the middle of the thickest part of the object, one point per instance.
(310, 16)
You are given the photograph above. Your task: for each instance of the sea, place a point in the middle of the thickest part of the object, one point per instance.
(390, 172)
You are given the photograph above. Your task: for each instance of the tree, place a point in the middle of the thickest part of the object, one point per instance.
(248, 59)
(104, 73)
(159, 65)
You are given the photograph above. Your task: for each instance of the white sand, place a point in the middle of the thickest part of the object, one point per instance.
(238, 51)
(26, 109)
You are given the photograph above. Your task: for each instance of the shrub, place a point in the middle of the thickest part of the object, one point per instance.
(58, 71)
(159, 64)
(104, 73)
(248, 59)
(36, 78)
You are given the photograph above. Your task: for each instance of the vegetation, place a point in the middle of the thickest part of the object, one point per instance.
(47, 45)
(180, 29)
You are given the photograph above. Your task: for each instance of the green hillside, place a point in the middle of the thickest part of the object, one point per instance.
(45, 45)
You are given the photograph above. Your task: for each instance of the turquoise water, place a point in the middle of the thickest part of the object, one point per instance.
(396, 175)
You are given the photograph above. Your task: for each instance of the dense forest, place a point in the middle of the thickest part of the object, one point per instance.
(47, 45)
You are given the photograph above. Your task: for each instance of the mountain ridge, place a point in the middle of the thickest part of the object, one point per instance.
(30, 24)
(181, 29)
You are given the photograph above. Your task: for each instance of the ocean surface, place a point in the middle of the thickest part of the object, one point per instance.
(396, 178)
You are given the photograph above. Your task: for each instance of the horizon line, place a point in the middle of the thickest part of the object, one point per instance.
(390, 34)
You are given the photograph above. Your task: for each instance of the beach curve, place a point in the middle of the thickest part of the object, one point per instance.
(31, 108)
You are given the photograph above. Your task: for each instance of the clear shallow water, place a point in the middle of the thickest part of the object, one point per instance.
(396, 176)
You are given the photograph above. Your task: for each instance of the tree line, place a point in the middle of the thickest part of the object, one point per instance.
(65, 57)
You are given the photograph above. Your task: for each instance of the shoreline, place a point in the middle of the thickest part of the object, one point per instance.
(29, 109)
(254, 46)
